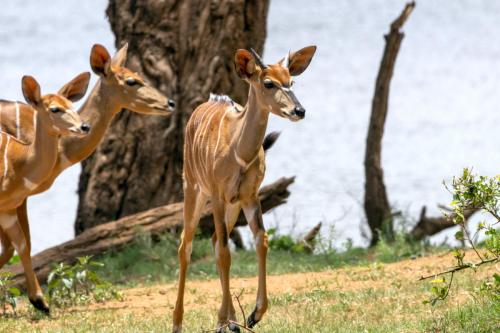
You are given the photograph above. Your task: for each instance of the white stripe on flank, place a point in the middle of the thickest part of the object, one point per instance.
(0, 118)
(207, 129)
(218, 134)
(1, 141)
(5, 165)
(18, 122)
(198, 138)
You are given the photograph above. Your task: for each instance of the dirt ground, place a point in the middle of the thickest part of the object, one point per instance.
(206, 293)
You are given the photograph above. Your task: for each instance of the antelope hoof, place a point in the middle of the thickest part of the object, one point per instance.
(252, 320)
(40, 304)
(234, 328)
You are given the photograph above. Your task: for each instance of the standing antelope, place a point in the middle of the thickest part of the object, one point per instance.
(118, 88)
(224, 162)
(24, 166)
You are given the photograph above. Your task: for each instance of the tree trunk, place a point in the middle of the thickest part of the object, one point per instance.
(376, 203)
(186, 49)
(114, 235)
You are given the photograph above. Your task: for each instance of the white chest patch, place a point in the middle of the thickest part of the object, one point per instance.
(29, 184)
(65, 162)
(7, 220)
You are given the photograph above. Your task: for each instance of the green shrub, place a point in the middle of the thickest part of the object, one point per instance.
(284, 242)
(473, 192)
(79, 283)
(8, 293)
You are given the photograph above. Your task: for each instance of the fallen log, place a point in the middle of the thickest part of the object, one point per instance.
(428, 226)
(113, 235)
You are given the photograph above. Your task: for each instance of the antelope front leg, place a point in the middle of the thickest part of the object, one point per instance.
(22, 218)
(223, 259)
(10, 225)
(7, 249)
(253, 214)
(231, 215)
(194, 201)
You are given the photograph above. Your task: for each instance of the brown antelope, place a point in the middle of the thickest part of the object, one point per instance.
(24, 166)
(224, 162)
(118, 88)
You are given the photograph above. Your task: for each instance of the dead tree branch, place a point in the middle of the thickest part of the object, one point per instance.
(428, 226)
(376, 202)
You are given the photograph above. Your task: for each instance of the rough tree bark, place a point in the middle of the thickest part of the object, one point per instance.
(376, 203)
(114, 235)
(186, 49)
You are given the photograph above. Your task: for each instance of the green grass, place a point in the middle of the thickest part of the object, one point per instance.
(379, 300)
(396, 308)
(148, 261)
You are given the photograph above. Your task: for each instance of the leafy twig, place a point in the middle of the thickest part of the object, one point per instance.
(459, 268)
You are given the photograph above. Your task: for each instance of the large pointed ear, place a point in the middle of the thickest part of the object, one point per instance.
(31, 90)
(244, 63)
(299, 60)
(120, 57)
(100, 60)
(75, 89)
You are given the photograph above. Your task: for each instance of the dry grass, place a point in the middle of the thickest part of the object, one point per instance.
(372, 298)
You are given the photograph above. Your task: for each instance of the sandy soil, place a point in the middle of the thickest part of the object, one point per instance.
(206, 293)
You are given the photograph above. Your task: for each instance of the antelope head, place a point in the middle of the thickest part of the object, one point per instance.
(57, 110)
(273, 83)
(129, 89)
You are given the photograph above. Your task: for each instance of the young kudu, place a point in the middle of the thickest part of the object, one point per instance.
(224, 162)
(118, 88)
(25, 166)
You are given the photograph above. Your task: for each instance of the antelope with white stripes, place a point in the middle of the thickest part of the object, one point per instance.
(24, 166)
(118, 88)
(224, 162)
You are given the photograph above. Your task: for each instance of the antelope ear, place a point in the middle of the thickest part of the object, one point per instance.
(75, 89)
(120, 57)
(31, 90)
(100, 60)
(244, 63)
(300, 60)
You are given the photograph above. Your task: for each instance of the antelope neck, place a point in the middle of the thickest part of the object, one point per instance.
(98, 110)
(252, 133)
(42, 152)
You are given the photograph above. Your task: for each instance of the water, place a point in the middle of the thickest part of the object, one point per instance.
(443, 111)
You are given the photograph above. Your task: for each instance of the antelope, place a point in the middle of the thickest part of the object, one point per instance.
(224, 162)
(117, 88)
(24, 166)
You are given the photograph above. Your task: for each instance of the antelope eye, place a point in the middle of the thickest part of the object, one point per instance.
(55, 109)
(132, 82)
(268, 84)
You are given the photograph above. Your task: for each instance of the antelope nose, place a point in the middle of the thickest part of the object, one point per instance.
(171, 103)
(299, 111)
(85, 127)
